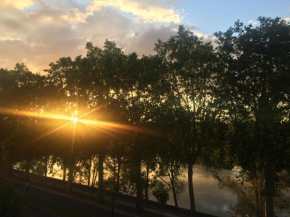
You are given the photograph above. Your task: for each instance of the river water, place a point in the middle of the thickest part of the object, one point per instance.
(208, 197)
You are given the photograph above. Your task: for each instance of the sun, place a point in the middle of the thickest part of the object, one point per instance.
(75, 120)
(74, 117)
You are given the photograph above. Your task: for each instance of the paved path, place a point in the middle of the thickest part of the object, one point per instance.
(32, 210)
(73, 203)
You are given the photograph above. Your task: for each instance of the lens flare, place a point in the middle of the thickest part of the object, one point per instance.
(75, 120)
(74, 117)
(102, 126)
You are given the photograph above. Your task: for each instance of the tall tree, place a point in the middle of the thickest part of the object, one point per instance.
(105, 72)
(256, 88)
(21, 90)
(190, 73)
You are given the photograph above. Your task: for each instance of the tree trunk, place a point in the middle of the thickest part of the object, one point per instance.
(95, 175)
(256, 193)
(64, 172)
(139, 199)
(101, 174)
(119, 161)
(269, 208)
(147, 182)
(45, 166)
(269, 190)
(27, 167)
(173, 189)
(269, 168)
(70, 172)
(45, 169)
(70, 177)
(191, 191)
(89, 176)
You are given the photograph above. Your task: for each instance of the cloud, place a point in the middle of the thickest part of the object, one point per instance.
(13, 51)
(39, 36)
(151, 11)
(19, 4)
(287, 19)
(143, 41)
(252, 22)
(46, 31)
(49, 13)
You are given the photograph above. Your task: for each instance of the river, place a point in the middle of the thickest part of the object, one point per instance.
(208, 197)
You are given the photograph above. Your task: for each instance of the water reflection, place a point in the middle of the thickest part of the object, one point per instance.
(208, 197)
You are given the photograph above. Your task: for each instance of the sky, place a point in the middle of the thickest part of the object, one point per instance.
(37, 32)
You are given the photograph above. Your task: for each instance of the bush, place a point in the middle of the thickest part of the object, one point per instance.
(160, 192)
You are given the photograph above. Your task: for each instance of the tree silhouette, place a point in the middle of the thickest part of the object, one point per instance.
(256, 88)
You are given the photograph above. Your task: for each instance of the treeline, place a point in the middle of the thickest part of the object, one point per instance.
(193, 102)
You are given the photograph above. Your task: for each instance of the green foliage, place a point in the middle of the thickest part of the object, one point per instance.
(10, 199)
(160, 192)
(255, 81)
(127, 181)
(194, 105)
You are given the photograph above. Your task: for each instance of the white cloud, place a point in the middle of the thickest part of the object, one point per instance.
(199, 35)
(143, 41)
(19, 4)
(47, 13)
(252, 22)
(287, 19)
(148, 10)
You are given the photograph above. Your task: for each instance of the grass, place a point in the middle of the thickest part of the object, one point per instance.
(55, 208)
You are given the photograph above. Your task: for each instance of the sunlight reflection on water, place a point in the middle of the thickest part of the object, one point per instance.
(208, 197)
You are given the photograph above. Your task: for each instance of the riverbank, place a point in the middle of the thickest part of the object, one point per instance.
(85, 194)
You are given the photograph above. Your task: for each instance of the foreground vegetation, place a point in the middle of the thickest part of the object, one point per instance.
(190, 103)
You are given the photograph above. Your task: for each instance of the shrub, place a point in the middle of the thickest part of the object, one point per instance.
(160, 192)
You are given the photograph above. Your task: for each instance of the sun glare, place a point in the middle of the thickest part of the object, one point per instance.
(103, 126)
(75, 120)
(74, 117)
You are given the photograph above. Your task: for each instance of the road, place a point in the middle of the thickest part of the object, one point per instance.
(73, 203)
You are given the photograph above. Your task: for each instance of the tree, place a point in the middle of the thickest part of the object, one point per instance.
(105, 71)
(160, 192)
(21, 90)
(170, 168)
(170, 159)
(248, 190)
(256, 89)
(190, 72)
